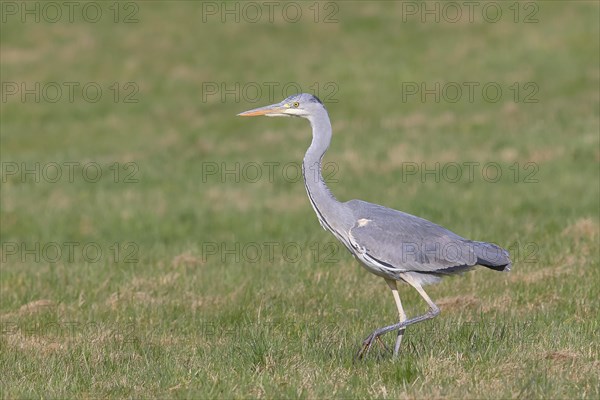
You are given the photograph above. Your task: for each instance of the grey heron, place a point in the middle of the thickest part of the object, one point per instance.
(389, 243)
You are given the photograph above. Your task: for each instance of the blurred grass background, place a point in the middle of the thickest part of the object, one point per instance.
(181, 319)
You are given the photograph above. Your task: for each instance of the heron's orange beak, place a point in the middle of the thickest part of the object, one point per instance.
(272, 109)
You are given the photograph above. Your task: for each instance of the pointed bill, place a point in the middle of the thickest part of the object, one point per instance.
(272, 110)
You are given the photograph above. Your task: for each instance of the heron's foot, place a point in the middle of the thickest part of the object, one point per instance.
(368, 343)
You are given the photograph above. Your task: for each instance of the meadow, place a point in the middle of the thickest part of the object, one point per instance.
(154, 245)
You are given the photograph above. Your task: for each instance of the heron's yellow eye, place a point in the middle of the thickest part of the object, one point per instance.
(296, 104)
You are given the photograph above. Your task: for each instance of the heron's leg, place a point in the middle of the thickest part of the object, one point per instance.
(433, 311)
(392, 284)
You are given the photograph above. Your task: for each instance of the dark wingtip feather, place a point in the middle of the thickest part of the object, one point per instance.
(492, 256)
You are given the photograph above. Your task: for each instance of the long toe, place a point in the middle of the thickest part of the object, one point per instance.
(387, 349)
(368, 343)
(366, 346)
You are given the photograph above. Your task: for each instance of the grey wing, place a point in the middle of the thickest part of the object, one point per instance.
(402, 242)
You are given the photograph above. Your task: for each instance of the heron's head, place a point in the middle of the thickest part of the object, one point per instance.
(298, 105)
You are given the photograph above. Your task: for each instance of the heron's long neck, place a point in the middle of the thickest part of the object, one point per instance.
(325, 204)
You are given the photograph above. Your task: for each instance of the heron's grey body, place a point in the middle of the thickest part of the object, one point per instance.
(389, 243)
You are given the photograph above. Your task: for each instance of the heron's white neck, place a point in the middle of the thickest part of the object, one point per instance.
(325, 204)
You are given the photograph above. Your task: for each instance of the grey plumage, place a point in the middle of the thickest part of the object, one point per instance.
(389, 243)
(405, 243)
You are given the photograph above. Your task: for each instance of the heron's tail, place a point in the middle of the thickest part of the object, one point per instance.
(492, 256)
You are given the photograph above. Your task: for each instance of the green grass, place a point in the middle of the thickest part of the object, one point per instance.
(182, 317)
